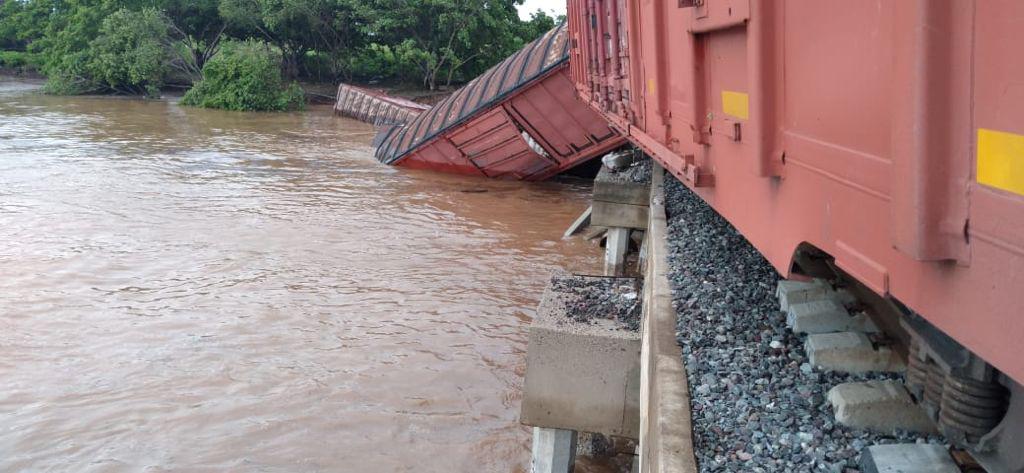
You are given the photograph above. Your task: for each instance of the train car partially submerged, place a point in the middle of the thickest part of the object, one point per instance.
(374, 106)
(519, 120)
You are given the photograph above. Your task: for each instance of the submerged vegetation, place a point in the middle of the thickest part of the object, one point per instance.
(248, 54)
(246, 77)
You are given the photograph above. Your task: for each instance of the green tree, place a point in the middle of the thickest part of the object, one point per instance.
(64, 45)
(23, 21)
(440, 37)
(198, 28)
(245, 76)
(130, 54)
(88, 49)
(295, 26)
(433, 42)
(539, 23)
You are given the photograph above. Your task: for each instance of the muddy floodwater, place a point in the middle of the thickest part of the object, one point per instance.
(204, 291)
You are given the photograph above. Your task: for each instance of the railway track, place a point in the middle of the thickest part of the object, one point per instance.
(764, 396)
(743, 371)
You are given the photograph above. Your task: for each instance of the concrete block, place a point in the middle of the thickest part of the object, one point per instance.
(582, 376)
(794, 292)
(907, 458)
(594, 233)
(612, 214)
(881, 406)
(620, 201)
(554, 450)
(850, 352)
(579, 224)
(615, 249)
(844, 296)
(620, 187)
(826, 316)
(862, 323)
(620, 192)
(818, 316)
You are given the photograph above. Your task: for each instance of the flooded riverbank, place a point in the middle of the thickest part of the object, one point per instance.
(198, 290)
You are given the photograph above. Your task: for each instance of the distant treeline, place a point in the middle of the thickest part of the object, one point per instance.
(142, 46)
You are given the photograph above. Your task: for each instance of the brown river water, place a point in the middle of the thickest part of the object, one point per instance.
(204, 291)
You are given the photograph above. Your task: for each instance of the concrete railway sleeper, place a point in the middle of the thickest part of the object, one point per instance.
(726, 384)
(968, 401)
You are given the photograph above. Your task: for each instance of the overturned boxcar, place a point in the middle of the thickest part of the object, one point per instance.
(375, 106)
(519, 120)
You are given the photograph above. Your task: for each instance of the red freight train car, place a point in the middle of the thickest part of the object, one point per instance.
(518, 120)
(887, 134)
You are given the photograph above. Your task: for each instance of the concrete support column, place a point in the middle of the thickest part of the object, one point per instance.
(554, 450)
(615, 251)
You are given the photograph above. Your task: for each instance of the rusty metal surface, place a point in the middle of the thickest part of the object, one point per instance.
(868, 149)
(376, 107)
(536, 59)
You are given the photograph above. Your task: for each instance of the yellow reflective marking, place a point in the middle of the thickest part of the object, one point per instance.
(736, 104)
(1001, 160)
(650, 86)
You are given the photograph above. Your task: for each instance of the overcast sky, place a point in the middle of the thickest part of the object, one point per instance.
(556, 7)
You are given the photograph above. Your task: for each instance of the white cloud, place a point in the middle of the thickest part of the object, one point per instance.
(552, 7)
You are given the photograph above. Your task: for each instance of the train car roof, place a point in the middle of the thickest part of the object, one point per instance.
(531, 62)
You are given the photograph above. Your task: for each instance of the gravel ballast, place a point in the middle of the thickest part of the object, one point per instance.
(638, 172)
(592, 297)
(757, 403)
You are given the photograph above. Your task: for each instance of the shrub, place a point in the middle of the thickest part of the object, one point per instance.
(20, 61)
(245, 76)
(375, 62)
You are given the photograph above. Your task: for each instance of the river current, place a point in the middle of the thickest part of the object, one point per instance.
(204, 291)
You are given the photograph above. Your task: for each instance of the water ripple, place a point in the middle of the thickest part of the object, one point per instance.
(195, 290)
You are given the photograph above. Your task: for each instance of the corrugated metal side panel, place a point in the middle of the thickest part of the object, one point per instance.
(497, 141)
(374, 107)
(554, 116)
(850, 126)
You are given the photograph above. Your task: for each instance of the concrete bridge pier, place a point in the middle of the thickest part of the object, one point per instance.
(554, 450)
(615, 250)
(620, 204)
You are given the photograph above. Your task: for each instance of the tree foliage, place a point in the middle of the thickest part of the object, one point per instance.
(130, 53)
(72, 27)
(442, 37)
(198, 28)
(295, 26)
(22, 22)
(245, 77)
(137, 46)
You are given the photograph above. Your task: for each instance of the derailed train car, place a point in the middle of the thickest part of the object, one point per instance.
(887, 137)
(518, 120)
